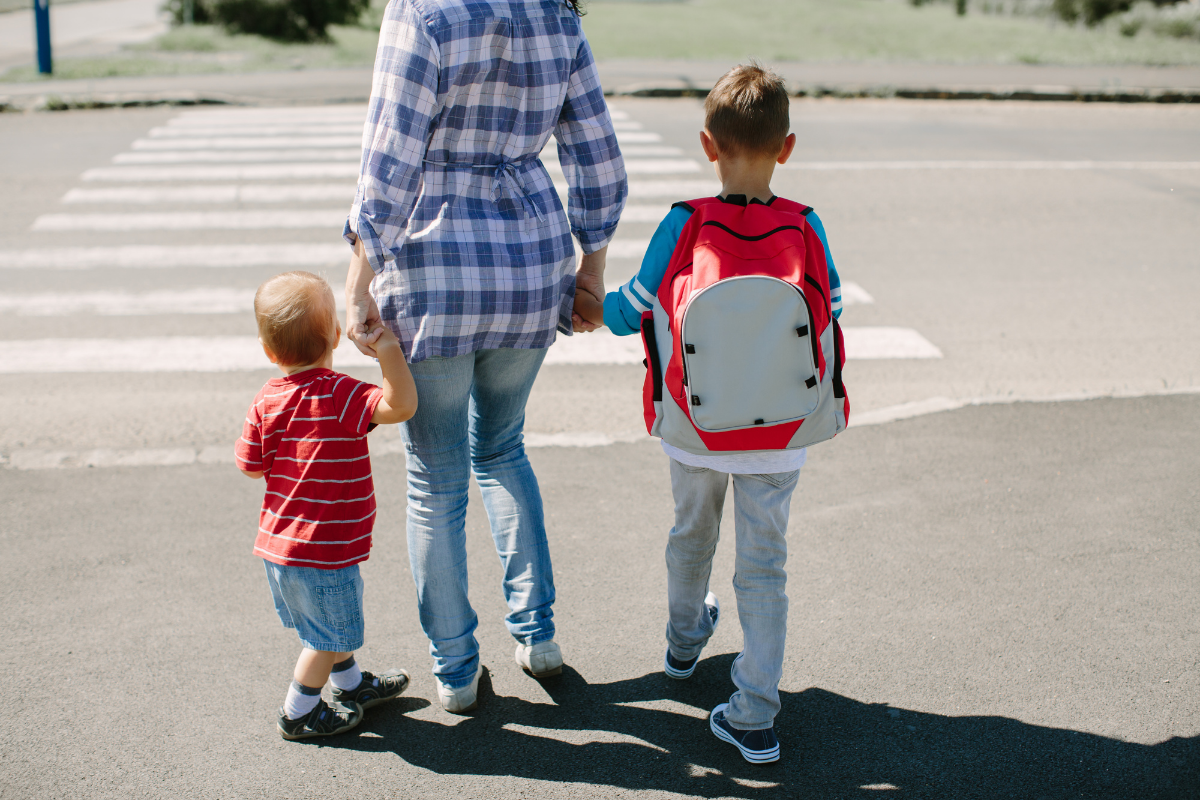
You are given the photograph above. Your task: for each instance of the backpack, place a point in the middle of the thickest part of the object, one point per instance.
(743, 353)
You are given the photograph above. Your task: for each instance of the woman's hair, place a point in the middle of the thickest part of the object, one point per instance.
(576, 6)
(295, 313)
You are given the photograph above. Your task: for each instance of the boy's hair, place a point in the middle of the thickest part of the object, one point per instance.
(748, 111)
(295, 313)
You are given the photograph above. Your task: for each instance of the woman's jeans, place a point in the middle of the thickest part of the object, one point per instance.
(470, 419)
(761, 504)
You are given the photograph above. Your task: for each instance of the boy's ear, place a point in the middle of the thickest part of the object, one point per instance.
(270, 355)
(709, 144)
(789, 144)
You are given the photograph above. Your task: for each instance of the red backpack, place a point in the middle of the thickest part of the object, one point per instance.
(743, 353)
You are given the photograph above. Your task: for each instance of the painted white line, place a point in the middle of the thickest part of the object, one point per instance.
(202, 300)
(934, 405)
(193, 131)
(626, 125)
(598, 347)
(223, 453)
(178, 256)
(160, 354)
(248, 156)
(650, 150)
(855, 295)
(627, 248)
(990, 165)
(257, 172)
(247, 142)
(887, 343)
(637, 137)
(194, 220)
(617, 114)
(653, 214)
(229, 193)
(676, 190)
(644, 166)
(242, 116)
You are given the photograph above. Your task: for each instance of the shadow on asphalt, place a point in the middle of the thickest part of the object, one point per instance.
(833, 746)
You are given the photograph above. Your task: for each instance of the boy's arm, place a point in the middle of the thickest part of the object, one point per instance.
(247, 453)
(623, 309)
(399, 401)
(835, 281)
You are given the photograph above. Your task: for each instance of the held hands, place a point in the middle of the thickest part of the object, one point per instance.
(589, 293)
(364, 327)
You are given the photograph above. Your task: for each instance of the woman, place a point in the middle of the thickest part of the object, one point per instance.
(463, 249)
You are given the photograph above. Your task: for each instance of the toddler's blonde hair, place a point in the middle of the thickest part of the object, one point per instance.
(296, 317)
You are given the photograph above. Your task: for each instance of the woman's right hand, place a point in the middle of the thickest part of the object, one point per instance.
(364, 325)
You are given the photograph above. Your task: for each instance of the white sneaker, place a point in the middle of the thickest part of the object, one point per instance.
(542, 660)
(463, 699)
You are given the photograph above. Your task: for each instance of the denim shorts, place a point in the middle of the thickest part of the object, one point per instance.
(323, 605)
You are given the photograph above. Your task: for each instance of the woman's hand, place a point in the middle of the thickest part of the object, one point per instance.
(363, 323)
(590, 278)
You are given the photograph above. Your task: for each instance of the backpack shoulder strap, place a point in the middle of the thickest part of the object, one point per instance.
(692, 205)
(790, 207)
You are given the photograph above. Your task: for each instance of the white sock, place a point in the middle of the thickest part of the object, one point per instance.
(346, 675)
(300, 700)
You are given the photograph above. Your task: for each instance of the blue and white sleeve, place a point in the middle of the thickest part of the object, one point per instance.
(623, 308)
(835, 282)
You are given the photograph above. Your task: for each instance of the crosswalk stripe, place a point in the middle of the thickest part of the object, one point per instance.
(202, 300)
(194, 220)
(853, 294)
(230, 193)
(243, 353)
(233, 156)
(237, 116)
(646, 166)
(249, 130)
(676, 190)
(247, 142)
(990, 165)
(253, 172)
(141, 256)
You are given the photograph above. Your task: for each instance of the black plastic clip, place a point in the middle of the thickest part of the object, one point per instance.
(695, 400)
(802, 331)
(811, 382)
(758, 422)
(690, 349)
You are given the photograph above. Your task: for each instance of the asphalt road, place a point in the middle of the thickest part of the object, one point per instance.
(994, 601)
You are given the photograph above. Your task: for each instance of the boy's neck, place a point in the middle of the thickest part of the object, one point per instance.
(324, 363)
(749, 176)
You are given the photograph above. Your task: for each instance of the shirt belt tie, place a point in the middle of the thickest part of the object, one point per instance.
(505, 173)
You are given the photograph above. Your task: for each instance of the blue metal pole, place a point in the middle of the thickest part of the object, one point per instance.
(41, 13)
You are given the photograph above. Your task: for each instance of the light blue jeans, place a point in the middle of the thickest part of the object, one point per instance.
(470, 419)
(761, 505)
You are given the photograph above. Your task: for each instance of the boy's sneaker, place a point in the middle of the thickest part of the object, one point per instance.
(462, 699)
(374, 689)
(757, 747)
(541, 660)
(323, 720)
(679, 669)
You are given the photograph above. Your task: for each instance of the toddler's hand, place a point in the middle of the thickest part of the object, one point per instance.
(588, 312)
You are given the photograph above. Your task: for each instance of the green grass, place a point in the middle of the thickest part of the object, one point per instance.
(773, 30)
(860, 30)
(206, 49)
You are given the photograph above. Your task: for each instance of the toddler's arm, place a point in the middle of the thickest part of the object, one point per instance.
(399, 401)
(252, 475)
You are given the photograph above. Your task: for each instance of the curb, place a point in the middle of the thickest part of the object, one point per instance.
(1059, 94)
(1042, 94)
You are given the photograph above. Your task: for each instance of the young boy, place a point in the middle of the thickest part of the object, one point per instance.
(745, 135)
(306, 432)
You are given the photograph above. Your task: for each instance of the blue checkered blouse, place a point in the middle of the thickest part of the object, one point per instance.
(468, 239)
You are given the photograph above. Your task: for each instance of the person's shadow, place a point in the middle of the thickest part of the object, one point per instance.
(833, 746)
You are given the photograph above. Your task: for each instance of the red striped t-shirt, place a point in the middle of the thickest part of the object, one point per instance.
(307, 433)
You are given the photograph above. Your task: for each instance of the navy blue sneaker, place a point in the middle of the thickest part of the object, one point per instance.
(680, 669)
(757, 747)
(323, 720)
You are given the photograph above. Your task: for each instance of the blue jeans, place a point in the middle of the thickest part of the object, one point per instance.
(323, 605)
(761, 505)
(470, 419)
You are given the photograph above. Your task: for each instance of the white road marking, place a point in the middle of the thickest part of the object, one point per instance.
(229, 193)
(855, 295)
(140, 256)
(644, 166)
(990, 165)
(241, 116)
(637, 137)
(247, 142)
(192, 131)
(253, 172)
(626, 125)
(650, 150)
(645, 213)
(887, 343)
(627, 248)
(194, 220)
(242, 353)
(223, 453)
(677, 190)
(247, 156)
(203, 300)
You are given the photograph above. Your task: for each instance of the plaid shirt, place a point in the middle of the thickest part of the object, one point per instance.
(468, 239)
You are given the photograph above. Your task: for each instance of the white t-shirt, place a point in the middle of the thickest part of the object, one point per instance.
(767, 462)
